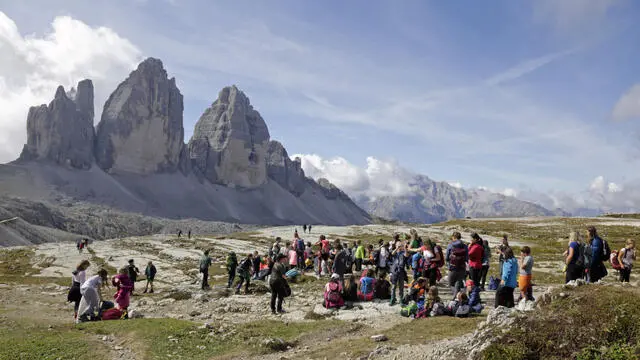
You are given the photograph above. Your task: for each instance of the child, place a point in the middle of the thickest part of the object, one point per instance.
(124, 286)
(333, 293)
(350, 291)
(324, 264)
(244, 274)
(150, 273)
(382, 288)
(232, 264)
(293, 258)
(133, 274)
(367, 282)
(433, 304)
(474, 297)
(524, 281)
(91, 296)
(417, 291)
(460, 306)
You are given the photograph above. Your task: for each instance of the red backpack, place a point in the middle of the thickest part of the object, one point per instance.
(615, 263)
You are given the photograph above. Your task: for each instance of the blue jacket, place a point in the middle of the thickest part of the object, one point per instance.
(510, 273)
(457, 244)
(597, 248)
(474, 300)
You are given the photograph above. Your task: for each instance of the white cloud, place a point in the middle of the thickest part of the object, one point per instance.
(628, 106)
(455, 184)
(378, 178)
(31, 67)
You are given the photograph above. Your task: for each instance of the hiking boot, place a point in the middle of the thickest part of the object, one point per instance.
(281, 311)
(392, 302)
(151, 291)
(145, 291)
(273, 312)
(237, 292)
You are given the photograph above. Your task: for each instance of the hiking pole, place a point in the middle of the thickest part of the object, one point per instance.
(7, 220)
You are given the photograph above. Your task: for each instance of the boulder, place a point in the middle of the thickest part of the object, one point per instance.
(63, 131)
(141, 128)
(230, 142)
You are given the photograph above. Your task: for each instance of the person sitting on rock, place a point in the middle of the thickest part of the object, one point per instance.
(232, 264)
(474, 297)
(367, 284)
(244, 274)
(382, 288)
(417, 291)
(124, 286)
(150, 273)
(333, 293)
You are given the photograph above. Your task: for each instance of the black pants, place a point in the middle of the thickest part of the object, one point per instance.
(301, 264)
(475, 275)
(432, 275)
(277, 293)
(358, 264)
(504, 297)
(483, 275)
(596, 272)
(574, 272)
(205, 278)
(232, 275)
(625, 273)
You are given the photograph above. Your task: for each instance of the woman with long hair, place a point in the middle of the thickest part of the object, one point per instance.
(78, 276)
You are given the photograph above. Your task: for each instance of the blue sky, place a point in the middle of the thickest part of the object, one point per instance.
(502, 94)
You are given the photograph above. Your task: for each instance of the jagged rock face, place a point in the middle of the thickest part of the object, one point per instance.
(230, 142)
(281, 169)
(141, 128)
(63, 131)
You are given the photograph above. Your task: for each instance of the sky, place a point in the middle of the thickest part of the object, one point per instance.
(528, 98)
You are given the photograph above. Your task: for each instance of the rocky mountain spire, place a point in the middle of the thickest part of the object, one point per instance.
(230, 141)
(63, 131)
(141, 128)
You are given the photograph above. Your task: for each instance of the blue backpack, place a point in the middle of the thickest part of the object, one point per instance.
(416, 261)
(494, 283)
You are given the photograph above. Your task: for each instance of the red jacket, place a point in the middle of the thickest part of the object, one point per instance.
(476, 253)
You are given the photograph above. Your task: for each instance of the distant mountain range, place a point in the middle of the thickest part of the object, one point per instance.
(429, 201)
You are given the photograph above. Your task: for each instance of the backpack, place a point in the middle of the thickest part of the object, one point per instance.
(365, 287)
(494, 283)
(286, 290)
(458, 258)
(615, 263)
(416, 261)
(606, 250)
(334, 296)
(585, 254)
(376, 257)
(409, 310)
(463, 311)
(440, 262)
(300, 247)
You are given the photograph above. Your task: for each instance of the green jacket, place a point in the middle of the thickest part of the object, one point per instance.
(360, 252)
(232, 262)
(205, 262)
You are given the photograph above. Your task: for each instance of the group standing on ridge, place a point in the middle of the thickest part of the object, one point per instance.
(405, 271)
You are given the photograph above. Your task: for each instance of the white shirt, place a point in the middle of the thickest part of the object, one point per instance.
(428, 255)
(384, 254)
(93, 282)
(80, 277)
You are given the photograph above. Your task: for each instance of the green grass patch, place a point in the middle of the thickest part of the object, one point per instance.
(592, 322)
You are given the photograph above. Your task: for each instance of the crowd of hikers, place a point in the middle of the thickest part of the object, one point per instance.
(403, 271)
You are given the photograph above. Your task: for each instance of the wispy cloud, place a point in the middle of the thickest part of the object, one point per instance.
(526, 67)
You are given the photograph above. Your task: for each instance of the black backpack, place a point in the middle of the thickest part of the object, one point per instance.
(606, 250)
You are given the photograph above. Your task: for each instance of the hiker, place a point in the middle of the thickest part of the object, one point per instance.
(359, 256)
(417, 291)
(486, 261)
(179, 233)
(78, 277)
(504, 294)
(325, 245)
(382, 264)
(503, 246)
(399, 260)
(304, 228)
(295, 234)
(626, 257)
(476, 255)
(91, 296)
(367, 284)
(205, 263)
(382, 287)
(457, 257)
(474, 297)
(150, 273)
(333, 293)
(124, 286)
(324, 264)
(278, 284)
(433, 271)
(293, 257)
(340, 264)
(370, 259)
(256, 264)
(524, 281)
(133, 274)
(574, 264)
(309, 228)
(597, 270)
(82, 244)
(417, 264)
(189, 234)
(232, 264)
(300, 248)
(244, 274)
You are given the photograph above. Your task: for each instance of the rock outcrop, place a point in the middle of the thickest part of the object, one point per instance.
(286, 172)
(141, 128)
(63, 131)
(230, 142)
